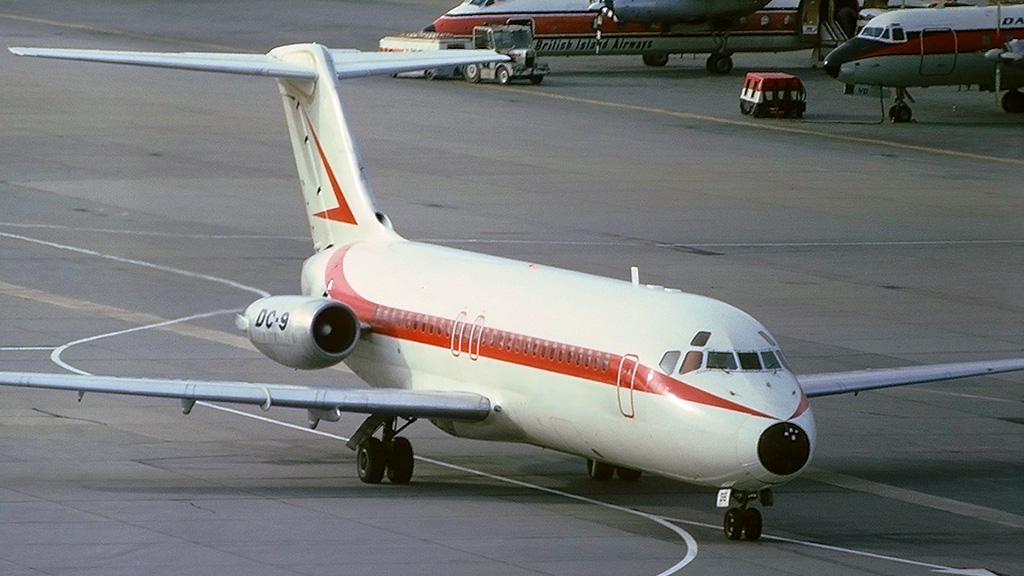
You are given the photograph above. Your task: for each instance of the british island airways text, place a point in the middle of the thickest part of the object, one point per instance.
(592, 44)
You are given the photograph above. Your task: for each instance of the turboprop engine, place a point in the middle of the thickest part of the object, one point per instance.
(673, 11)
(301, 331)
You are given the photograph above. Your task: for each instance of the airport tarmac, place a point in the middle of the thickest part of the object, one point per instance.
(131, 197)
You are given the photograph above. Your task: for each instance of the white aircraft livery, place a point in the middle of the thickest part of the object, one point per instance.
(496, 349)
(935, 47)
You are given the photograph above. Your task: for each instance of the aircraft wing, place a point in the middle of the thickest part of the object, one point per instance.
(390, 401)
(829, 383)
(347, 63)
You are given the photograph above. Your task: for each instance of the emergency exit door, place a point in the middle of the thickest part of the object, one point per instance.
(625, 384)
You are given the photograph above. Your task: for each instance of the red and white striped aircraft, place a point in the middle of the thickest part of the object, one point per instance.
(572, 28)
(934, 47)
(629, 377)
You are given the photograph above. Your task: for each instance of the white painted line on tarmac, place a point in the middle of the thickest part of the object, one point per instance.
(949, 505)
(116, 32)
(766, 126)
(142, 263)
(127, 232)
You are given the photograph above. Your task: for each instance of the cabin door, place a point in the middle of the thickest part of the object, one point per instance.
(938, 51)
(625, 384)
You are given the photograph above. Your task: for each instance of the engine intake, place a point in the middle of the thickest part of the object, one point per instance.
(301, 332)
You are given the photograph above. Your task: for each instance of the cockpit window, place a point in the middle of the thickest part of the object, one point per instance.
(770, 361)
(721, 361)
(669, 361)
(700, 339)
(891, 33)
(749, 361)
(693, 361)
(871, 32)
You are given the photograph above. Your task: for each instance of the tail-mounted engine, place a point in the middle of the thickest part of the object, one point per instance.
(301, 331)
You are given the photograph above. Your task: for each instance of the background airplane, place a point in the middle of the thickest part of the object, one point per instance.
(934, 47)
(566, 28)
(496, 349)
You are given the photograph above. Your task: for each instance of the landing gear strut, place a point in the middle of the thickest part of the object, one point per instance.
(375, 457)
(900, 111)
(743, 521)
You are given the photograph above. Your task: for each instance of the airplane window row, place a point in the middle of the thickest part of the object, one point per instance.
(470, 338)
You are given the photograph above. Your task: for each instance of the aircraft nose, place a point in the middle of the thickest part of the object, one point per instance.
(831, 67)
(784, 448)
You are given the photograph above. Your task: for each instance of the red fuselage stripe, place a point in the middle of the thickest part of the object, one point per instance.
(576, 24)
(941, 42)
(476, 341)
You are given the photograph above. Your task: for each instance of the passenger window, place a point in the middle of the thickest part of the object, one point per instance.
(669, 361)
(700, 339)
(749, 360)
(721, 360)
(692, 361)
(770, 361)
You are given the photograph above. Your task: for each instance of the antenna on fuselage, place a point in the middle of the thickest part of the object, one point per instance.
(634, 276)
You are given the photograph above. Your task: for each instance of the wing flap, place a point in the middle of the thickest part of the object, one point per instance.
(393, 402)
(830, 383)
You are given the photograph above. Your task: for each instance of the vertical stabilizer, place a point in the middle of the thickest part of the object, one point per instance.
(336, 192)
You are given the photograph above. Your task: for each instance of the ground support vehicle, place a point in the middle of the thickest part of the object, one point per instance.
(776, 94)
(516, 42)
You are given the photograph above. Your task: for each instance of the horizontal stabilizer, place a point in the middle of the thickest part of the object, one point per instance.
(830, 383)
(347, 63)
(392, 402)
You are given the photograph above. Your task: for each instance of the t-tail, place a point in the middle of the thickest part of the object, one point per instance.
(339, 202)
(335, 189)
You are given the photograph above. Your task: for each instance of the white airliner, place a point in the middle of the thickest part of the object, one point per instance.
(626, 376)
(656, 29)
(935, 47)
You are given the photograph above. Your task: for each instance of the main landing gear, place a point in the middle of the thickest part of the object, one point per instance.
(719, 63)
(391, 454)
(604, 471)
(743, 521)
(900, 111)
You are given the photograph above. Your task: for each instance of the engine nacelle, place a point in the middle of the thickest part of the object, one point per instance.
(671, 11)
(302, 332)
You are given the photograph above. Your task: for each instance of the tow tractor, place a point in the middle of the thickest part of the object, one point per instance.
(513, 40)
(777, 94)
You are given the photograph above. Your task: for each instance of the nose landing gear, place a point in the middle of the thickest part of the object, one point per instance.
(900, 111)
(743, 521)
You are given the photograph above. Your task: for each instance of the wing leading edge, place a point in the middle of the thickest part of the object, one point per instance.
(347, 63)
(391, 402)
(830, 383)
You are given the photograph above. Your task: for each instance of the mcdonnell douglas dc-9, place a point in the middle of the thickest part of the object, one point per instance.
(495, 349)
